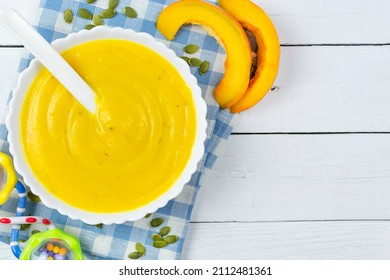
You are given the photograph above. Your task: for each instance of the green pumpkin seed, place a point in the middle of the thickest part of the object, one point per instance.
(130, 12)
(191, 48)
(140, 248)
(156, 237)
(97, 20)
(170, 239)
(107, 13)
(148, 215)
(68, 16)
(204, 67)
(164, 231)
(99, 226)
(159, 244)
(84, 13)
(113, 3)
(134, 255)
(186, 59)
(156, 222)
(22, 240)
(195, 62)
(33, 197)
(35, 231)
(91, 1)
(25, 226)
(89, 26)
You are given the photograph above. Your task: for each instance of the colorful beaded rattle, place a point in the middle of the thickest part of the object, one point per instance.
(53, 244)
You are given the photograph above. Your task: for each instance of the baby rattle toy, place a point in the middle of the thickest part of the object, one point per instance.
(53, 244)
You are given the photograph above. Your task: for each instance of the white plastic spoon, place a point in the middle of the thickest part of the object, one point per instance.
(50, 58)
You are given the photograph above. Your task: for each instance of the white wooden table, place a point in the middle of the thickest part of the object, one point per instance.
(306, 173)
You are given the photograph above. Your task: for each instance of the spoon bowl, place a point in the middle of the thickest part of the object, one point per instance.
(50, 58)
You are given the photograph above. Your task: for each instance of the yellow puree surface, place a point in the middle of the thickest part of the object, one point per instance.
(136, 145)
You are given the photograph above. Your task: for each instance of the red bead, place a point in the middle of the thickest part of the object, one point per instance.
(46, 222)
(5, 221)
(31, 220)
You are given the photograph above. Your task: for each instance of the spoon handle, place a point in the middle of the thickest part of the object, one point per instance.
(50, 58)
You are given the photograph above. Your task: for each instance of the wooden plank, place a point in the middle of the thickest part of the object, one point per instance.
(326, 89)
(298, 177)
(9, 62)
(341, 240)
(331, 21)
(297, 21)
(300, 240)
(27, 8)
(255, 164)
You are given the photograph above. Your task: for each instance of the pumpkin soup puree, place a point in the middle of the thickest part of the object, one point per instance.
(135, 146)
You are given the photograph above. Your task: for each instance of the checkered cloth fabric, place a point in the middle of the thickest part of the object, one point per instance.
(117, 241)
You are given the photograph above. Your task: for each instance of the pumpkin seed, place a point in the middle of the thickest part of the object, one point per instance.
(113, 3)
(134, 255)
(97, 20)
(68, 16)
(186, 59)
(140, 248)
(148, 215)
(33, 197)
(130, 12)
(156, 222)
(165, 230)
(25, 226)
(204, 67)
(89, 26)
(107, 13)
(91, 1)
(195, 61)
(99, 226)
(35, 231)
(156, 237)
(22, 240)
(191, 48)
(159, 244)
(84, 13)
(170, 239)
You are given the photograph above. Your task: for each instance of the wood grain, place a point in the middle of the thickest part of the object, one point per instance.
(342, 240)
(330, 21)
(298, 177)
(303, 196)
(321, 89)
(9, 58)
(297, 21)
(326, 89)
(298, 240)
(8, 73)
(27, 8)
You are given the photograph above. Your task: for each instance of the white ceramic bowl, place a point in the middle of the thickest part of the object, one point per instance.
(16, 149)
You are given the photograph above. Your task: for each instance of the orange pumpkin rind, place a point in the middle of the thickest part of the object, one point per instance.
(254, 19)
(227, 30)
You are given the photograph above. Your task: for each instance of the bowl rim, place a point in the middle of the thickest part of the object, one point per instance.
(13, 125)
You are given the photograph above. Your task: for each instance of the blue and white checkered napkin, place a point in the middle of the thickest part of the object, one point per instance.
(117, 241)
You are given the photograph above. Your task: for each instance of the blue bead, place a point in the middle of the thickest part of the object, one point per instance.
(59, 257)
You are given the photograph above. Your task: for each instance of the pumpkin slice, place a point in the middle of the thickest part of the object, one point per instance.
(254, 19)
(227, 30)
